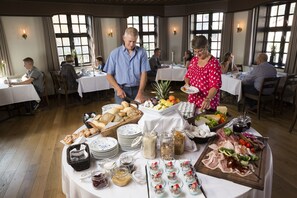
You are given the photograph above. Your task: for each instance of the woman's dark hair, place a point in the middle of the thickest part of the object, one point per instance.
(100, 58)
(227, 56)
(190, 55)
(199, 42)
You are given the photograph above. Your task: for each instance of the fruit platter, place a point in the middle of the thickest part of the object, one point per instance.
(163, 102)
(238, 157)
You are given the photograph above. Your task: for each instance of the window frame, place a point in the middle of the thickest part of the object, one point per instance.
(208, 33)
(143, 33)
(71, 35)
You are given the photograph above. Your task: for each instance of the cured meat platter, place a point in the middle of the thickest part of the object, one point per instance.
(255, 178)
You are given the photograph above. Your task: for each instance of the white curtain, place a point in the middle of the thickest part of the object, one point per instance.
(4, 53)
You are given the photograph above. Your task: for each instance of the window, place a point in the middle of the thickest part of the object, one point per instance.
(71, 34)
(146, 26)
(209, 25)
(277, 31)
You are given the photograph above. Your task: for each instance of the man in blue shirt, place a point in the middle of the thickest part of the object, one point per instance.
(127, 67)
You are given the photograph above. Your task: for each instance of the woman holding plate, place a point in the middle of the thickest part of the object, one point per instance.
(204, 72)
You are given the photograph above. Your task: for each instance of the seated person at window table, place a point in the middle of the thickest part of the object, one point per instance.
(155, 62)
(68, 72)
(204, 72)
(33, 75)
(228, 63)
(99, 63)
(187, 58)
(252, 81)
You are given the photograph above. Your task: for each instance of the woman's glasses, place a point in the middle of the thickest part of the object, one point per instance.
(200, 51)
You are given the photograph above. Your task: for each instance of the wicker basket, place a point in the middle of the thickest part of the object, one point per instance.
(112, 131)
(81, 164)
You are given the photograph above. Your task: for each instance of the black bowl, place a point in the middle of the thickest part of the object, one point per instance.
(200, 140)
(86, 117)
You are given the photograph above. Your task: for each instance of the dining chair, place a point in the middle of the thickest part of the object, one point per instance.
(44, 95)
(266, 94)
(63, 89)
(240, 67)
(295, 115)
(55, 81)
(288, 91)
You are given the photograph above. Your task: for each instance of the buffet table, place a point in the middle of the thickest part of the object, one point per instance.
(16, 93)
(73, 186)
(173, 73)
(92, 83)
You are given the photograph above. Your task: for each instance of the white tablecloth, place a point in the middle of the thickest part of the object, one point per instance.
(172, 73)
(92, 83)
(16, 93)
(232, 86)
(214, 187)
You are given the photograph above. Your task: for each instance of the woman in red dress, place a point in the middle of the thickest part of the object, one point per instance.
(204, 72)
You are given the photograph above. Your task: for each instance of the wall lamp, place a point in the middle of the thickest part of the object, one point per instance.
(174, 31)
(239, 29)
(110, 33)
(24, 35)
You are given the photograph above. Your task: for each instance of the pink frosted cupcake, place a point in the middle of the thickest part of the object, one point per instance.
(190, 176)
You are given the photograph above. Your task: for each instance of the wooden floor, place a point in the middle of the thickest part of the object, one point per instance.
(30, 151)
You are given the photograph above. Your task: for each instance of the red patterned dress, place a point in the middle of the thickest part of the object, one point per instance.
(204, 78)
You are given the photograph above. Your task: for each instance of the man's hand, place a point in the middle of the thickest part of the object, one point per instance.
(140, 98)
(121, 93)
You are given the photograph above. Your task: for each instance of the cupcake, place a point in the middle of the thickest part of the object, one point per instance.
(194, 188)
(190, 176)
(159, 190)
(185, 165)
(157, 177)
(172, 176)
(154, 167)
(169, 166)
(175, 190)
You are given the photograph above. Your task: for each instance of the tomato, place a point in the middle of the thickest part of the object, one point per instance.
(248, 145)
(242, 142)
(253, 150)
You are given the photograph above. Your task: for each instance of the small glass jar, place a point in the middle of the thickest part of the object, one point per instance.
(240, 125)
(121, 176)
(167, 146)
(149, 145)
(179, 142)
(99, 180)
(128, 162)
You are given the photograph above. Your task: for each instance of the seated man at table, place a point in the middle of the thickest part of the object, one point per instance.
(252, 81)
(154, 63)
(68, 72)
(33, 75)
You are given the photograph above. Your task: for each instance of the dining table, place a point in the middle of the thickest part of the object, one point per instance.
(171, 72)
(11, 94)
(92, 81)
(74, 185)
(232, 84)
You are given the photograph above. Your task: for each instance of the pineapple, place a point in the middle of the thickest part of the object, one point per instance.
(162, 89)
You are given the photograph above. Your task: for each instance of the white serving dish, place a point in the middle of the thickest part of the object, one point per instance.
(160, 112)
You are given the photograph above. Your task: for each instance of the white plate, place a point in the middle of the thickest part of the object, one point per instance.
(189, 90)
(103, 144)
(129, 130)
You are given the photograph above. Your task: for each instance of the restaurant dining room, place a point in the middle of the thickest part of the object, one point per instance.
(148, 98)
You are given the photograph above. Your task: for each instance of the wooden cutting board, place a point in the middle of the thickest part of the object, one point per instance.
(251, 180)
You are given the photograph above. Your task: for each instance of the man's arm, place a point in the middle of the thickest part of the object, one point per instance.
(140, 96)
(115, 85)
(28, 81)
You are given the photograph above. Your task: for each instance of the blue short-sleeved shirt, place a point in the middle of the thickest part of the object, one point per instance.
(127, 69)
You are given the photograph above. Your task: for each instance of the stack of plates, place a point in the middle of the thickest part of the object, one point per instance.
(126, 134)
(104, 147)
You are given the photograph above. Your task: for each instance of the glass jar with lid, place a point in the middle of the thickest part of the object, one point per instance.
(149, 145)
(167, 146)
(121, 176)
(179, 142)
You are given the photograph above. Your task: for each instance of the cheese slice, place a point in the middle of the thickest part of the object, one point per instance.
(222, 109)
(214, 117)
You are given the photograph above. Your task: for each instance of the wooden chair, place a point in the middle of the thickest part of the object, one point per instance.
(240, 68)
(295, 115)
(289, 90)
(55, 81)
(44, 95)
(63, 89)
(269, 85)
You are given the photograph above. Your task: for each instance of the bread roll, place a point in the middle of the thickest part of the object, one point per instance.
(117, 118)
(122, 114)
(93, 130)
(126, 109)
(68, 139)
(97, 117)
(114, 111)
(119, 107)
(97, 125)
(125, 104)
(106, 118)
(87, 133)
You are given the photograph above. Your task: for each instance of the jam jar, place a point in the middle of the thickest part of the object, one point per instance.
(167, 146)
(99, 179)
(121, 176)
